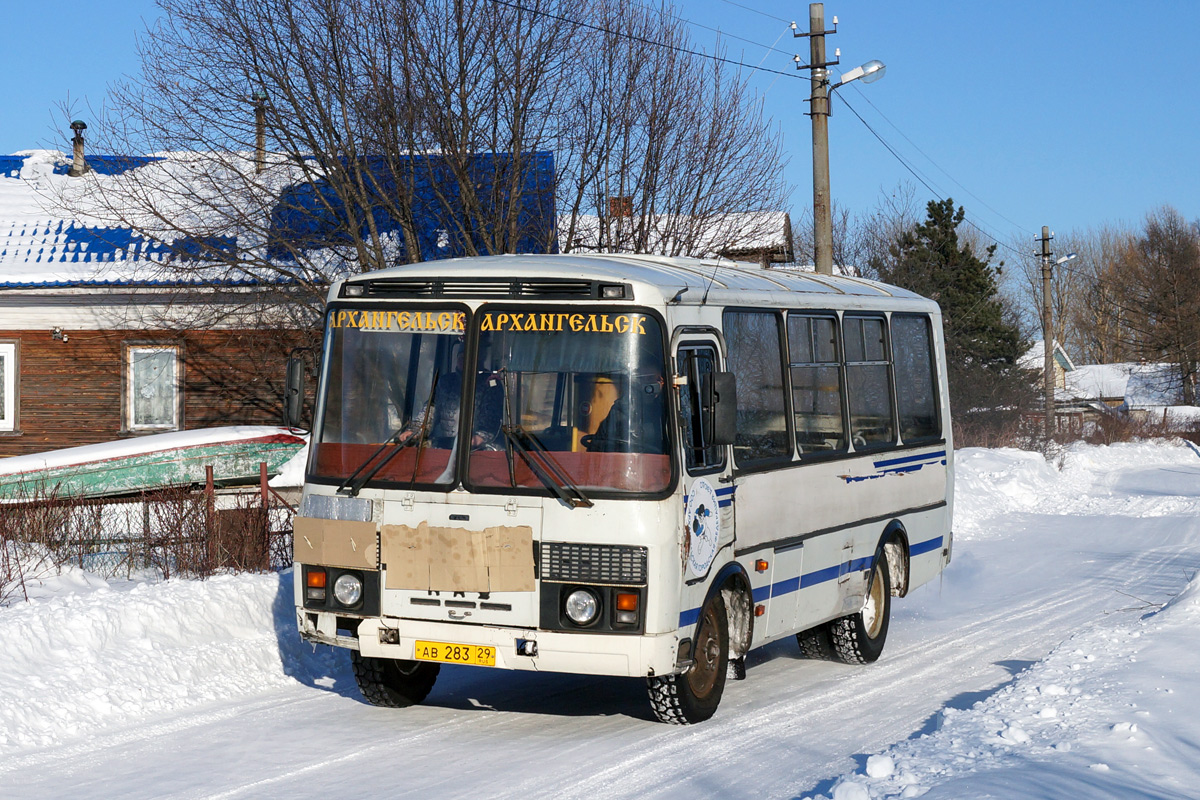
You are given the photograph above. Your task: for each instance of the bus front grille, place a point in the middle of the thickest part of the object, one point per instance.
(612, 565)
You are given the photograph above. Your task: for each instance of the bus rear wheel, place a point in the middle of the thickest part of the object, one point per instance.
(391, 683)
(816, 643)
(693, 695)
(859, 638)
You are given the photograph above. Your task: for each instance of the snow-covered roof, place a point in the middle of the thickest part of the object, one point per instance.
(1140, 385)
(705, 237)
(43, 246)
(1035, 356)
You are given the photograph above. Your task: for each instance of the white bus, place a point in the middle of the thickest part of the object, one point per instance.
(618, 465)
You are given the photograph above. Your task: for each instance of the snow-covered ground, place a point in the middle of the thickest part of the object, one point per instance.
(1055, 658)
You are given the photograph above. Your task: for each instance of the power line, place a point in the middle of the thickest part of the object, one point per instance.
(921, 178)
(938, 166)
(732, 62)
(756, 11)
(643, 40)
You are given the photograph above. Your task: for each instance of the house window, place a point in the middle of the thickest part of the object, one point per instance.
(8, 386)
(152, 388)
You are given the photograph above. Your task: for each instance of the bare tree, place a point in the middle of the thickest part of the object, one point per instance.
(305, 139)
(662, 150)
(1087, 317)
(1158, 293)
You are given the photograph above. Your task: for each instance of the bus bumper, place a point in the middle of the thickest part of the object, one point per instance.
(579, 653)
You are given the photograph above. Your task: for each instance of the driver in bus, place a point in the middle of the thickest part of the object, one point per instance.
(637, 421)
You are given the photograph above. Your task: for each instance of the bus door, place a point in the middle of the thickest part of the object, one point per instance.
(708, 488)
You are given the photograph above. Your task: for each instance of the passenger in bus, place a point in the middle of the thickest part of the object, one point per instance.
(489, 412)
(446, 409)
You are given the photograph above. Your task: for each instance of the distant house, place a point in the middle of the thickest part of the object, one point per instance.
(1035, 357)
(99, 342)
(93, 345)
(760, 237)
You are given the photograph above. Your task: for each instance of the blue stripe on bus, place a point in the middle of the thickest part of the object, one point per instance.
(909, 459)
(925, 547)
(785, 587)
(789, 585)
(689, 617)
(724, 497)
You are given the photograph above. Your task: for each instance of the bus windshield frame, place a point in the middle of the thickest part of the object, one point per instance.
(404, 383)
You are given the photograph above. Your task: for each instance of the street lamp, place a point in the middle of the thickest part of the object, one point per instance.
(819, 112)
(868, 73)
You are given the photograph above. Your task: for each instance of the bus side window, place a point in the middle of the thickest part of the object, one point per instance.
(816, 383)
(755, 340)
(868, 384)
(916, 386)
(696, 420)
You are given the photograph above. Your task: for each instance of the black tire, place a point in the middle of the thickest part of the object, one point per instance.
(392, 683)
(859, 638)
(816, 643)
(693, 695)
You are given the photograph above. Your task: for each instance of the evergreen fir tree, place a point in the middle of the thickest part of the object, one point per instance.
(982, 346)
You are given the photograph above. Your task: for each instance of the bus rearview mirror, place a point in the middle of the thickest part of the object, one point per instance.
(293, 400)
(720, 400)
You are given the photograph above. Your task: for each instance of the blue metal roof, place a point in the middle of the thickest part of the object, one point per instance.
(110, 165)
(309, 216)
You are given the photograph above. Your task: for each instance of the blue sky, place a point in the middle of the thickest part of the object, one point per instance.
(1067, 114)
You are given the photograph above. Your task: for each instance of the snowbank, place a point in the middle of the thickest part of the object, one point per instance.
(1113, 712)
(92, 655)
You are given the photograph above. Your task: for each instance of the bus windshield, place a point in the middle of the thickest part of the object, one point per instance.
(569, 397)
(393, 391)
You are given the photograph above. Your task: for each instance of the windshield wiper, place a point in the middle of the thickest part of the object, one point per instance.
(418, 438)
(355, 486)
(550, 473)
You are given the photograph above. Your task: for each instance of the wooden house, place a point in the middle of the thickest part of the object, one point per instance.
(99, 342)
(92, 348)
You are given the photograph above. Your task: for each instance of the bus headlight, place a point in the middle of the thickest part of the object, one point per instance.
(582, 607)
(348, 589)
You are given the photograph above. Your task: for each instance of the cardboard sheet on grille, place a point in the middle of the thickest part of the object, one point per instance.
(335, 543)
(432, 558)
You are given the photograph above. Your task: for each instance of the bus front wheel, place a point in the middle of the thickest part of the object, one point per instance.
(693, 695)
(859, 638)
(391, 683)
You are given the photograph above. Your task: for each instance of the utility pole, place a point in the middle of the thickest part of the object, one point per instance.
(1047, 331)
(818, 111)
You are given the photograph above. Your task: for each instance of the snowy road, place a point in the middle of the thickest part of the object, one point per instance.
(1039, 555)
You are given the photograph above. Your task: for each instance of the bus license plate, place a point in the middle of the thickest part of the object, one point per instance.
(450, 653)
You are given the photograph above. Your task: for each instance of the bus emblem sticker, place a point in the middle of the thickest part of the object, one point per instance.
(703, 521)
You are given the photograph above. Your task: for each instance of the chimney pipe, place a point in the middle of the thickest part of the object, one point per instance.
(78, 164)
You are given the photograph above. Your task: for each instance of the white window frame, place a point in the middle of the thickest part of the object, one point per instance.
(8, 421)
(131, 424)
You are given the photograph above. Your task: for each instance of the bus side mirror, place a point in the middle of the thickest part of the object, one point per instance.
(293, 400)
(719, 393)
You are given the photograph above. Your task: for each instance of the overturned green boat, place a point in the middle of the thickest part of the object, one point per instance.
(148, 463)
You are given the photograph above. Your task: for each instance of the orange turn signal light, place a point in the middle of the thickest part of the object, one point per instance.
(627, 602)
(316, 579)
(761, 565)
(759, 610)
